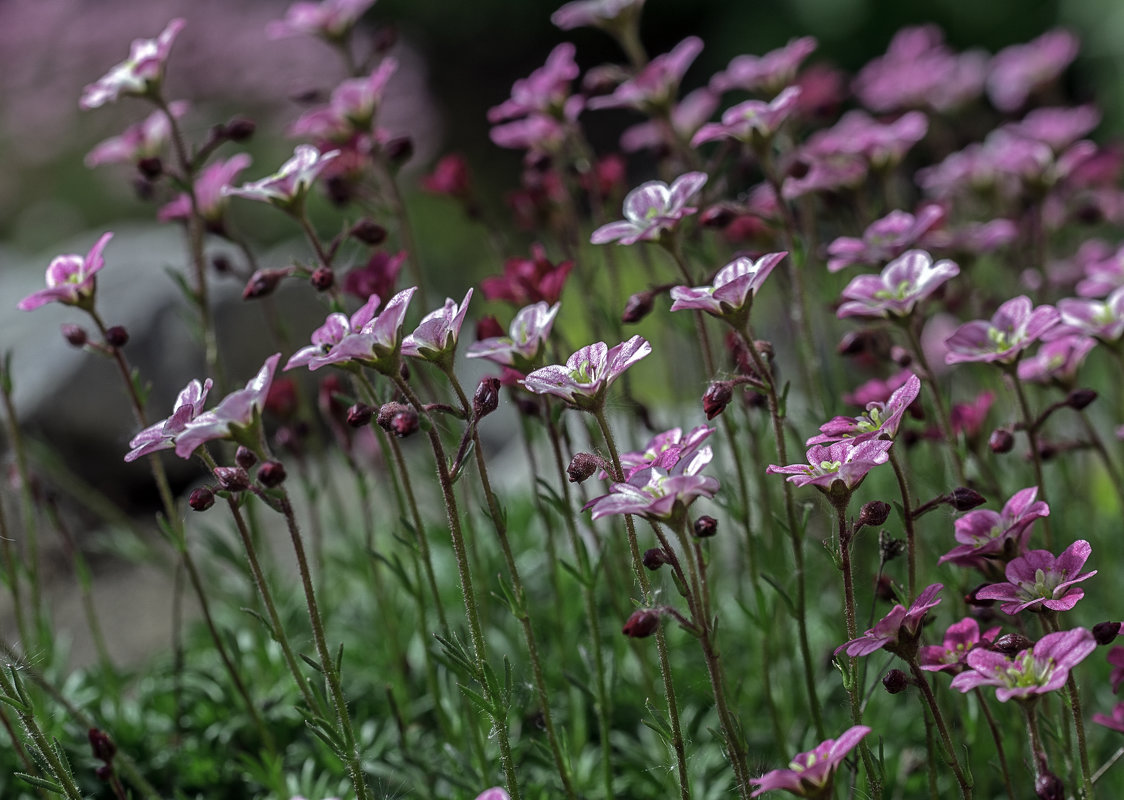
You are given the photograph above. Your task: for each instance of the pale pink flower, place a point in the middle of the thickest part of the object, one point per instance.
(145, 139)
(288, 186)
(1015, 326)
(596, 14)
(210, 191)
(733, 289)
(330, 19)
(436, 335)
(844, 462)
(752, 120)
(351, 108)
(885, 238)
(655, 86)
(525, 341)
(905, 282)
(137, 76)
(652, 208)
(1021, 69)
(237, 412)
(161, 435)
(768, 73)
(880, 421)
(587, 374)
(71, 279)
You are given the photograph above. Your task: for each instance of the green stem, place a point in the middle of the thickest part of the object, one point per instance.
(1032, 438)
(965, 781)
(944, 423)
(997, 737)
(907, 513)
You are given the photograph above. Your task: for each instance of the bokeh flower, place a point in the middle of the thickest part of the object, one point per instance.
(144, 139)
(137, 76)
(287, 187)
(71, 279)
(905, 282)
(1015, 326)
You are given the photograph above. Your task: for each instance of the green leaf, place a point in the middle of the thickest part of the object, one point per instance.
(39, 783)
(311, 662)
(769, 579)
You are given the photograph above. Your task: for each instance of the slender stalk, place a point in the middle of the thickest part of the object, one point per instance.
(997, 737)
(965, 781)
(944, 423)
(44, 748)
(1035, 456)
(910, 533)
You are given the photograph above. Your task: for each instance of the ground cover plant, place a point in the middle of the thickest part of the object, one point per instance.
(816, 425)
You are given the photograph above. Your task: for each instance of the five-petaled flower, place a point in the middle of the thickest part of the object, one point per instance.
(587, 374)
(898, 631)
(810, 774)
(144, 139)
(367, 338)
(731, 294)
(161, 435)
(71, 279)
(752, 121)
(1015, 326)
(879, 421)
(525, 340)
(652, 208)
(1044, 668)
(287, 187)
(960, 638)
(435, 338)
(905, 282)
(664, 450)
(139, 75)
(330, 19)
(1039, 580)
(986, 535)
(235, 417)
(210, 192)
(845, 463)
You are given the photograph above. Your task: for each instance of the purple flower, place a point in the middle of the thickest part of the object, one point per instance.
(905, 282)
(330, 19)
(436, 335)
(898, 631)
(660, 492)
(1057, 127)
(287, 187)
(1042, 669)
(543, 92)
(137, 76)
(664, 450)
(1014, 327)
(378, 339)
(495, 793)
(71, 279)
(880, 144)
(884, 239)
(877, 390)
(595, 14)
(1115, 721)
(881, 420)
(1103, 319)
(1103, 267)
(949, 656)
(1019, 70)
(161, 435)
(731, 294)
(351, 108)
(588, 373)
(985, 534)
(525, 340)
(652, 208)
(326, 339)
(753, 120)
(144, 139)
(1037, 579)
(210, 192)
(1057, 360)
(655, 85)
(1116, 658)
(686, 118)
(236, 413)
(810, 774)
(972, 237)
(846, 462)
(768, 73)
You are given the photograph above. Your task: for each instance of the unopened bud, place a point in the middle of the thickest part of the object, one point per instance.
(900, 356)
(399, 150)
(239, 129)
(716, 397)
(582, 466)
(1001, 440)
(201, 499)
(1010, 644)
(1048, 786)
(232, 479)
(642, 623)
(220, 263)
(488, 328)
(359, 415)
(263, 282)
(964, 499)
(1106, 632)
(75, 335)
(1080, 398)
(874, 513)
(271, 474)
(323, 279)
(368, 231)
(244, 457)
(117, 336)
(102, 746)
(397, 418)
(655, 558)
(151, 167)
(705, 527)
(637, 307)
(486, 398)
(717, 216)
(895, 681)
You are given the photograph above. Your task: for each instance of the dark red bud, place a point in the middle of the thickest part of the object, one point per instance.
(359, 415)
(1001, 441)
(874, 513)
(1080, 398)
(263, 282)
(323, 279)
(102, 746)
(637, 307)
(486, 398)
(384, 38)
(895, 681)
(1010, 644)
(799, 168)
(151, 167)
(117, 336)
(705, 527)
(368, 231)
(1106, 632)
(488, 328)
(75, 335)
(201, 499)
(399, 150)
(104, 772)
(655, 558)
(239, 129)
(271, 474)
(964, 499)
(582, 466)
(397, 418)
(716, 397)
(642, 623)
(900, 356)
(244, 457)
(232, 479)
(1048, 786)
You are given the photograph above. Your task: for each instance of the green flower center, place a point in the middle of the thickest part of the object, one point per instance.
(1002, 340)
(903, 290)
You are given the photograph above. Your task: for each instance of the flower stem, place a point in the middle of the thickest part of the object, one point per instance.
(998, 738)
(944, 422)
(1032, 438)
(907, 513)
(949, 748)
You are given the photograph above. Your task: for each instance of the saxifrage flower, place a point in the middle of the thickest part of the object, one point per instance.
(525, 340)
(71, 279)
(905, 282)
(436, 335)
(899, 630)
(287, 187)
(1039, 580)
(652, 208)
(986, 535)
(733, 289)
(879, 421)
(1015, 326)
(846, 462)
(161, 435)
(139, 75)
(810, 774)
(236, 414)
(1044, 668)
(587, 374)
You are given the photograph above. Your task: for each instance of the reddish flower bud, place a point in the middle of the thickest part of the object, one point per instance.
(964, 499)
(582, 466)
(717, 216)
(1048, 786)
(368, 231)
(151, 167)
(874, 513)
(642, 623)
(244, 457)
(359, 415)
(1080, 398)
(322, 279)
(895, 681)
(489, 328)
(117, 336)
(1001, 441)
(637, 307)
(450, 176)
(716, 397)
(232, 479)
(281, 401)
(486, 398)
(655, 558)
(397, 418)
(264, 281)
(705, 527)
(884, 589)
(102, 746)
(1106, 632)
(239, 129)
(1010, 644)
(399, 150)
(201, 499)
(271, 474)
(75, 335)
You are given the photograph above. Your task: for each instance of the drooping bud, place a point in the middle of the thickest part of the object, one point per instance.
(1001, 440)
(239, 129)
(642, 623)
(705, 527)
(1080, 398)
(264, 282)
(1010, 644)
(1106, 632)
(102, 746)
(201, 499)
(359, 415)
(271, 474)
(75, 335)
(322, 279)
(874, 513)
(232, 479)
(895, 681)
(151, 167)
(486, 398)
(637, 307)
(368, 232)
(397, 418)
(582, 466)
(655, 558)
(220, 263)
(116, 336)
(964, 499)
(716, 397)
(244, 457)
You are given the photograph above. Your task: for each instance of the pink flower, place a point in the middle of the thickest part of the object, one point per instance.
(1057, 127)
(210, 191)
(351, 108)
(1103, 319)
(450, 177)
(881, 420)
(139, 75)
(326, 339)
(898, 631)
(528, 280)
(71, 279)
(525, 341)
(811, 774)
(664, 450)
(652, 208)
(960, 638)
(845, 462)
(143, 140)
(587, 374)
(495, 793)
(1116, 658)
(985, 534)
(884, 239)
(752, 120)
(595, 14)
(880, 144)
(1057, 360)
(1038, 580)
(905, 282)
(546, 89)
(877, 390)
(373, 340)
(287, 187)
(1013, 328)
(237, 413)
(161, 435)
(1042, 669)
(655, 86)
(768, 73)
(972, 237)
(377, 277)
(436, 336)
(330, 19)
(686, 118)
(731, 294)
(1114, 722)
(1019, 70)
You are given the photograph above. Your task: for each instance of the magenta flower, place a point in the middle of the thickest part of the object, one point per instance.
(898, 631)
(950, 656)
(233, 417)
(1038, 580)
(325, 348)
(528, 280)
(139, 75)
(752, 120)
(71, 279)
(880, 421)
(731, 294)
(145, 139)
(436, 336)
(1003, 338)
(654, 87)
(595, 14)
(287, 187)
(544, 91)
(1019, 70)
(1057, 360)
(330, 19)
(880, 144)
(877, 390)
(378, 276)
(845, 462)
(687, 116)
(884, 239)
(585, 377)
(1042, 669)
(652, 208)
(768, 73)
(1057, 127)
(351, 108)
(972, 237)
(810, 774)
(1103, 319)
(210, 192)
(1115, 721)
(664, 450)
(986, 535)
(525, 340)
(1116, 677)
(660, 492)
(161, 435)
(905, 282)
(1103, 267)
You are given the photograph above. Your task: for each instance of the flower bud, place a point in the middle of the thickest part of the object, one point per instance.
(799, 168)
(75, 335)
(1010, 644)
(323, 279)
(232, 479)
(271, 474)
(637, 307)
(705, 527)
(874, 513)
(359, 415)
(964, 499)
(397, 418)
(399, 150)
(582, 466)
(244, 457)
(488, 328)
(368, 232)
(384, 38)
(104, 773)
(642, 623)
(239, 129)
(1106, 632)
(486, 398)
(116, 336)
(220, 263)
(201, 499)
(102, 746)
(895, 681)
(151, 167)
(716, 397)
(1080, 398)
(655, 558)
(1048, 786)
(1001, 440)
(717, 216)
(264, 281)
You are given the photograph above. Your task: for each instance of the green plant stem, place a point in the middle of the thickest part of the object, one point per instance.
(1050, 620)
(910, 533)
(405, 229)
(43, 748)
(1032, 438)
(944, 423)
(997, 737)
(1102, 452)
(12, 576)
(964, 780)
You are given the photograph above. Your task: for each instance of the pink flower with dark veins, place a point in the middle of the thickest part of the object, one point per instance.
(905, 282)
(71, 279)
(1015, 326)
(1038, 580)
(768, 73)
(329, 19)
(525, 341)
(436, 335)
(652, 208)
(235, 414)
(950, 656)
(732, 291)
(326, 339)
(587, 374)
(664, 450)
(1042, 669)
(161, 435)
(845, 462)
(986, 535)
(145, 139)
(898, 631)
(655, 86)
(811, 774)
(138, 76)
(1057, 360)
(210, 191)
(1018, 71)
(884, 239)
(287, 187)
(880, 421)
